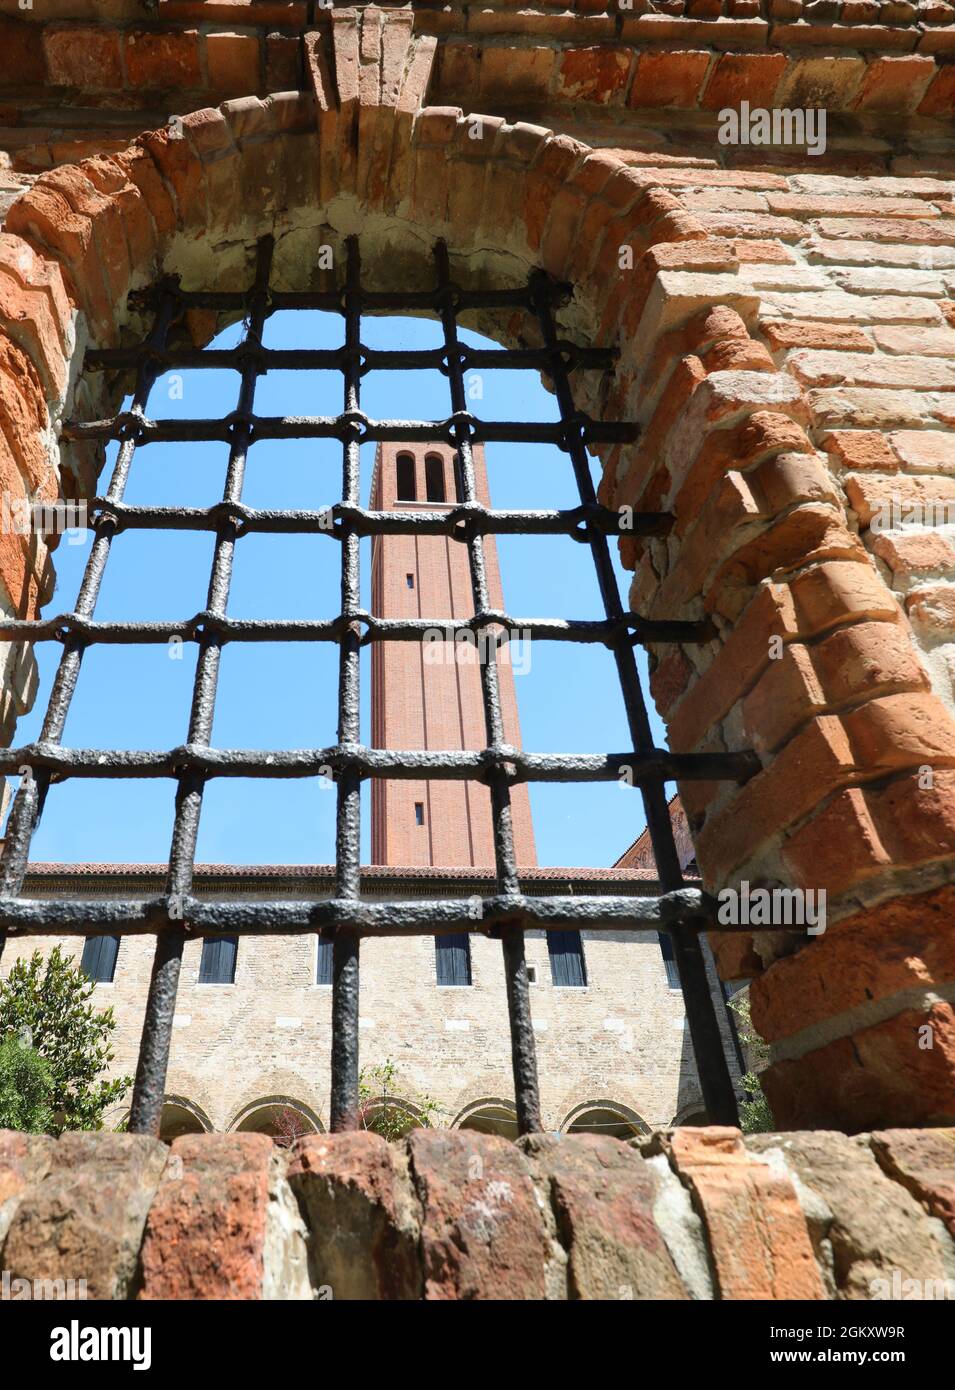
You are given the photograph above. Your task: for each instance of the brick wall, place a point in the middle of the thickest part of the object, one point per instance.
(783, 340)
(688, 1214)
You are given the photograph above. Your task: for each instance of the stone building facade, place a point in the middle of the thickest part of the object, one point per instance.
(783, 322)
(614, 1057)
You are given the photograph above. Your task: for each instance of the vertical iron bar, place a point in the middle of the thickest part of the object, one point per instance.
(153, 1063)
(345, 947)
(523, 1046)
(31, 795)
(715, 1081)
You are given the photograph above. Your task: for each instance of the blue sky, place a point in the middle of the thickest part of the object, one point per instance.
(284, 695)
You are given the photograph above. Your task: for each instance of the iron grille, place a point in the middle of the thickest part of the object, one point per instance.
(682, 912)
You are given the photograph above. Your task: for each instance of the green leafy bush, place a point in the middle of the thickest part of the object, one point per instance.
(755, 1116)
(383, 1106)
(25, 1086)
(47, 1003)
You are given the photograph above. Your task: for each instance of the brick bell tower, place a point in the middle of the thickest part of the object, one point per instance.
(419, 703)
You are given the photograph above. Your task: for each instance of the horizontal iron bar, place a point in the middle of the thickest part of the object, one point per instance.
(337, 520)
(132, 425)
(222, 629)
(368, 300)
(686, 907)
(401, 764)
(335, 359)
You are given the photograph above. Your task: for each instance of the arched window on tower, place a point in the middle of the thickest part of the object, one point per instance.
(434, 478)
(405, 478)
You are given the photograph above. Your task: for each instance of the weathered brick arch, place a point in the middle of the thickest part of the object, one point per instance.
(489, 1105)
(601, 1105)
(271, 1101)
(843, 722)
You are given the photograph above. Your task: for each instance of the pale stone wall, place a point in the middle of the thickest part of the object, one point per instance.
(623, 1038)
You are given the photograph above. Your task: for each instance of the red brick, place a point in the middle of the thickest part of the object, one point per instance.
(633, 487)
(871, 496)
(896, 731)
(142, 172)
(138, 225)
(809, 533)
(739, 1200)
(844, 337)
(22, 44)
(44, 217)
(939, 100)
(501, 1255)
(23, 414)
(873, 954)
(761, 435)
(900, 230)
(593, 74)
(183, 173)
(738, 77)
(895, 84)
(18, 575)
(862, 450)
(735, 666)
(907, 555)
(821, 205)
(206, 1231)
(19, 259)
(877, 1077)
(232, 61)
(105, 218)
(873, 657)
(825, 594)
(511, 73)
(786, 695)
(282, 63)
(865, 659)
(763, 252)
(808, 768)
(163, 60)
(670, 679)
(923, 1161)
(838, 848)
(78, 56)
(668, 79)
(925, 451)
(26, 317)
